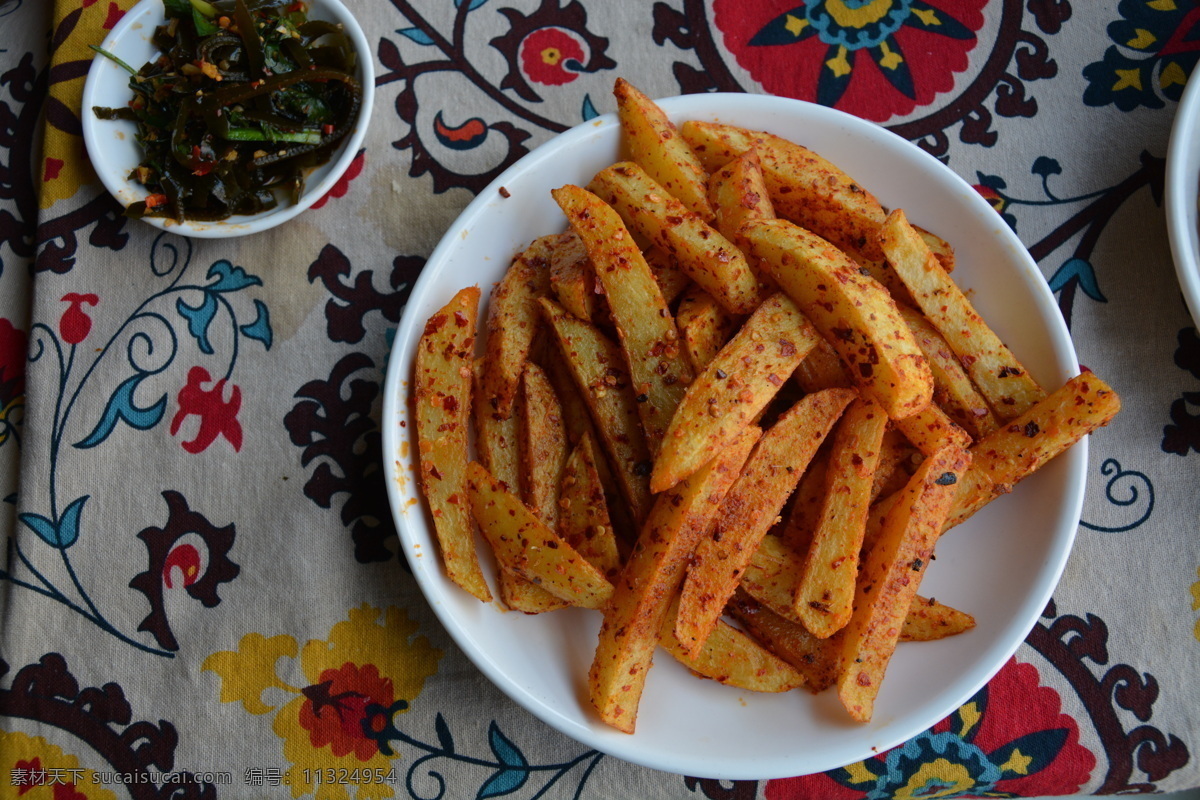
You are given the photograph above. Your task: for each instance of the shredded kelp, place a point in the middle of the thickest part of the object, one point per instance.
(246, 97)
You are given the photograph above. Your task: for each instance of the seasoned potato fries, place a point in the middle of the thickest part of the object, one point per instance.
(726, 404)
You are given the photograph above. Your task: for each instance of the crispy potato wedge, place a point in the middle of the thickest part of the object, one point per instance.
(804, 187)
(704, 325)
(750, 508)
(512, 322)
(931, 429)
(731, 657)
(599, 370)
(654, 143)
(649, 581)
(772, 575)
(573, 281)
(708, 258)
(825, 592)
(929, 620)
(818, 660)
(953, 390)
(1023, 445)
(941, 249)
(442, 401)
(672, 280)
(996, 372)
(822, 369)
(735, 386)
(527, 547)
(737, 193)
(853, 312)
(645, 327)
(583, 521)
(497, 441)
(890, 576)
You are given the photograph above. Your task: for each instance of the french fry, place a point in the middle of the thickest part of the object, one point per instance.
(804, 187)
(512, 322)
(931, 429)
(526, 547)
(1023, 445)
(573, 281)
(704, 326)
(750, 508)
(644, 324)
(735, 386)
(708, 258)
(929, 620)
(654, 143)
(737, 193)
(497, 441)
(996, 372)
(825, 591)
(891, 575)
(941, 249)
(600, 372)
(854, 313)
(442, 401)
(953, 390)
(583, 521)
(672, 280)
(731, 657)
(649, 580)
(818, 660)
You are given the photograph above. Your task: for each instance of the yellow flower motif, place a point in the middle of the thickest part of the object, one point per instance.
(35, 769)
(64, 166)
(362, 664)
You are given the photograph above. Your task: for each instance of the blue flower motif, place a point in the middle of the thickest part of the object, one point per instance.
(935, 765)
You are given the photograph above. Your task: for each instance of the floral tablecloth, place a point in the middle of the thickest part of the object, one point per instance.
(201, 591)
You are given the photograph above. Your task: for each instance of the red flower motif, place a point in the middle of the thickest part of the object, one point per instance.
(336, 708)
(218, 417)
(1010, 740)
(875, 60)
(75, 324)
(343, 183)
(186, 559)
(12, 362)
(546, 55)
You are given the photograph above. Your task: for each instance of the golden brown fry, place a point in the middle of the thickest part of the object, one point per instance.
(496, 440)
(526, 547)
(734, 388)
(825, 592)
(708, 258)
(573, 281)
(929, 620)
(804, 187)
(442, 400)
(822, 369)
(672, 280)
(1023, 445)
(512, 323)
(953, 390)
(655, 144)
(645, 327)
(891, 575)
(650, 579)
(853, 312)
(996, 372)
(941, 249)
(704, 325)
(584, 522)
(818, 660)
(738, 194)
(750, 508)
(931, 429)
(731, 657)
(600, 372)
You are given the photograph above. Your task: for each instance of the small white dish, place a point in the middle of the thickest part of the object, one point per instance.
(114, 151)
(1182, 198)
(1001, 566)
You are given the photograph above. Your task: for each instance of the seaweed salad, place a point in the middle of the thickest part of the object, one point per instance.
(244, 99)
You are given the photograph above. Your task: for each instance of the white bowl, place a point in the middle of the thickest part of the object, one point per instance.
(1183, 195)
(114, 151)
(1001, 566)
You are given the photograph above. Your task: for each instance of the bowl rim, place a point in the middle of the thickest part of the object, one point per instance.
(1182, 192)
(1066, 517)
(102, 69)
